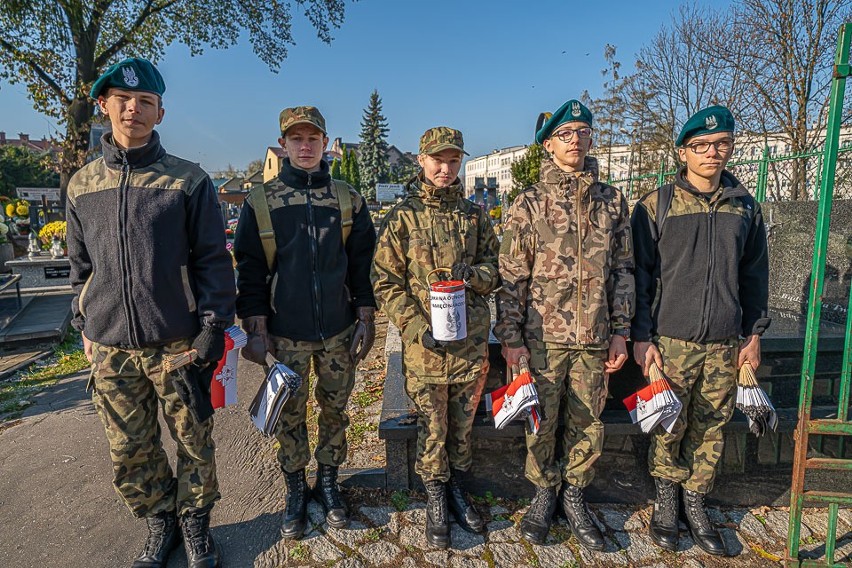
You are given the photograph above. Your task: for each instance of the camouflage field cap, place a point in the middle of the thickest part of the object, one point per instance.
(441, 138)
(301, 115)
(572, 111)
(708, 120)
(132, 74)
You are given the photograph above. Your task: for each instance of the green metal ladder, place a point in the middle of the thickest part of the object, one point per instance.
(839, 426)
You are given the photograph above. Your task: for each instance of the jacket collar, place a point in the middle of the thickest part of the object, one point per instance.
(565, 182)
(136, 157)
(432, 195)
(729, 186)
(294, 177)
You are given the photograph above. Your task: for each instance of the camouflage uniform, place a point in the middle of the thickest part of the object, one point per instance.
(714, 247)
(149, 270)
(436, 228)
(335, 377)
(127, 385)
(566, 262)
(703, 376)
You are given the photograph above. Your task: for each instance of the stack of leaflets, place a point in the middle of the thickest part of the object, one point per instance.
(223, 387)
(280, 383)
(753, 402)
(655, 404)
(518, 399)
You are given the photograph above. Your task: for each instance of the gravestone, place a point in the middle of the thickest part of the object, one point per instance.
(790, 228)
(43, 271)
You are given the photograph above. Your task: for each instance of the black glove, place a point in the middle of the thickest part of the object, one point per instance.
(209, 344)
(430, 342)
(192, 384)
(259, 343)
(462, 271)
(364, 334)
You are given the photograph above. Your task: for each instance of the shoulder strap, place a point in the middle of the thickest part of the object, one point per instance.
(344, 200)
(665, 195)
(257, 197)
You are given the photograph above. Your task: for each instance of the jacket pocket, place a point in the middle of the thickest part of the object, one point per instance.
(187, 289)
(83, 294)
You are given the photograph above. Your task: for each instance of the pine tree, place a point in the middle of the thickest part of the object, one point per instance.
(373, 163)
(344, 165)
(335, 169)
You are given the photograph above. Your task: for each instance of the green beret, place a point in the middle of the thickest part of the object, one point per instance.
(709, 120)
(571, 111)
(132, 74)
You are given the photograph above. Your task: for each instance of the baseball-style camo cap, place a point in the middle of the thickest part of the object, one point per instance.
(301, 115)
(441, 138)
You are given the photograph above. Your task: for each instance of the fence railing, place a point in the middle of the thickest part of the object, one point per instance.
(769, 176)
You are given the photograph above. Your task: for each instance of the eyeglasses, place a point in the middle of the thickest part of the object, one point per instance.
(722, 146)
(566, 134)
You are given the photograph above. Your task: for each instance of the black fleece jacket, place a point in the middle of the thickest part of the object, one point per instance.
(710, 260)
(316, 282)
(146, 243)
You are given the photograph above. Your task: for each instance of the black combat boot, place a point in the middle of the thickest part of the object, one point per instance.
(163, 537)
(437, 518)
(537, 520)
(461, 507)
(701, 529)
(328, 495)
(663, 528)
(201, 551)
(580, 519)
(296, 512)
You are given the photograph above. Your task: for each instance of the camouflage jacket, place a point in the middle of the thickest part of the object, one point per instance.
(566, 262)
(146, 243)
(435, 228)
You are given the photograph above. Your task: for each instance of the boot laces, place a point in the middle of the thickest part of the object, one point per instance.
(330, 491)
(574, 498)
(665, 509)
(196, 532)
(539, 506)
(697, 510)
(438, 503)
(295, 494)
(156, 532)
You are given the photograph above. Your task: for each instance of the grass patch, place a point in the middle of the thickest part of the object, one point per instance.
(365, 399)
(400, 500)
(299, 552)
(760, 518)
(358, 431)
(373, 535)
(68, 358)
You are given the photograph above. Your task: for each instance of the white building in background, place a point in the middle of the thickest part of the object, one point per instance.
(491, 174)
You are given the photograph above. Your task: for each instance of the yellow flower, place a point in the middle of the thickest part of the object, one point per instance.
(10, 210)
(22, 210)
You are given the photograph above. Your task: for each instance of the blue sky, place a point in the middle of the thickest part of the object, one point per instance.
(486, 68)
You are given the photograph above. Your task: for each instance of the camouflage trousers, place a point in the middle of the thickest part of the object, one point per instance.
(445, 415)
(571, 379)
(127, 386)
(335, 376)
(704, 377)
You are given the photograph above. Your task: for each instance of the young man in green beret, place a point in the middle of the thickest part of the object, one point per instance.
(566, 262)
(702, 238)
(305, 296)
(151, 277)
(433, 234)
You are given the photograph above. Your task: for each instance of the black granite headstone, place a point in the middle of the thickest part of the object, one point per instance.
(791, 227)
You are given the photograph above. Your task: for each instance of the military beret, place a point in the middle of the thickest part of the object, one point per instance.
(706, 121)
(301, 115)
(441, 138)
(571, 111)
(132, 74)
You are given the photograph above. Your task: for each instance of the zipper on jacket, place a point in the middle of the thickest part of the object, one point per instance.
(312, 237)
(711, 251)
(580, 287)
(123, 253)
